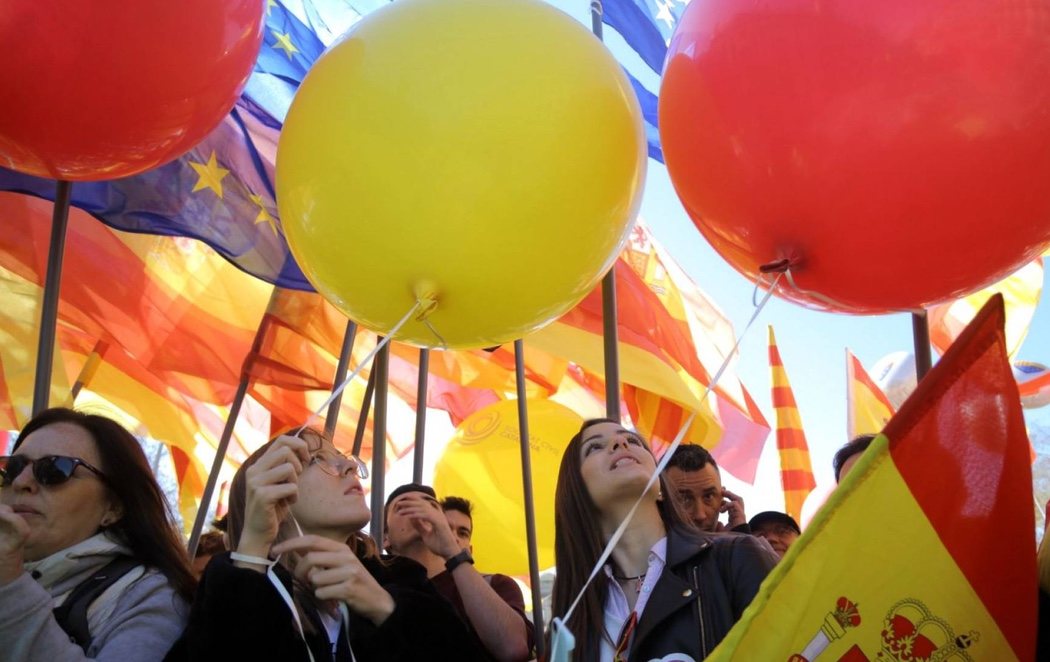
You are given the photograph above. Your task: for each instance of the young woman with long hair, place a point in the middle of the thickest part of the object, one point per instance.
(668, 588)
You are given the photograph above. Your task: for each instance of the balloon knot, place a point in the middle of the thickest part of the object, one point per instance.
(776, 267)
(426, 299)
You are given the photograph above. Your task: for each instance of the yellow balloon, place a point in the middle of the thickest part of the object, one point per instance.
(482, 463)
(483, 157)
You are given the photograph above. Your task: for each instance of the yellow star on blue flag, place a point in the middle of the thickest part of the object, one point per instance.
(264, 214)
(209, 175)
(284, 43)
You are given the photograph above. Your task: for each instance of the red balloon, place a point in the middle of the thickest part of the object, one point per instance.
(896, 153)
(100, 89)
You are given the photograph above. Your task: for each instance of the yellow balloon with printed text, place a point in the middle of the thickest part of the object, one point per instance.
(482, 463)
(483, 158)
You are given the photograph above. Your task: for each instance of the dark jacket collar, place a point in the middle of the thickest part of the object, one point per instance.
(683, 544)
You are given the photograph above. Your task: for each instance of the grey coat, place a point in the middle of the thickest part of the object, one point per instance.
(138, 618)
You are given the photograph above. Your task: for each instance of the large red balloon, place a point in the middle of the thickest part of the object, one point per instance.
(896, 153)
(99, 89)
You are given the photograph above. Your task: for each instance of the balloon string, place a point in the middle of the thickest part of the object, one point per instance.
(367, 361)
(441, 341)
(665, 459)
(783, 267)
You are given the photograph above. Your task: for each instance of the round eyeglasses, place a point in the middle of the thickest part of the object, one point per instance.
(337, 464)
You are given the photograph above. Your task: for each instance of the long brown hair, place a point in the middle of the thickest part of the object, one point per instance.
(147, 525)
(578, 542)
(361, 544)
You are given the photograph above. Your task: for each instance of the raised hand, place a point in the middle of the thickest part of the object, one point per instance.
(335, 573)
(272, 485)
(734, 505)
(13, 535)
(430, 522)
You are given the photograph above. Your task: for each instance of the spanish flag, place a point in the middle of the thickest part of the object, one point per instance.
(867, 407)
(796, 471)
(927, 549)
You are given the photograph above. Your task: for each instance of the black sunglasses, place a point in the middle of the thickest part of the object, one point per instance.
(47, 470)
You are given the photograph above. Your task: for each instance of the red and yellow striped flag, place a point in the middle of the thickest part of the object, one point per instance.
(867, 407)
(926, 551)
(796, 471)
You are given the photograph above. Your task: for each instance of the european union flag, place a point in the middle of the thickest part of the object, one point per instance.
(646, 27)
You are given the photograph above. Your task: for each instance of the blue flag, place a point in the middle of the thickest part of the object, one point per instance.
(646, 27)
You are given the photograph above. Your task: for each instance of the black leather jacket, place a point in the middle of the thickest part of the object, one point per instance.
(708, 581)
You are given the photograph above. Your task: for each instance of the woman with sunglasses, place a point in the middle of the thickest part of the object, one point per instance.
(303, 582)
(78, 502)
(668, 591)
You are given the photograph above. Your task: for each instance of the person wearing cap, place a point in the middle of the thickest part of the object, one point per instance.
(779, 529)
(417, 528)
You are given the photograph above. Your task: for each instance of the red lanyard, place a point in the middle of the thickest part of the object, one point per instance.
(623, 645)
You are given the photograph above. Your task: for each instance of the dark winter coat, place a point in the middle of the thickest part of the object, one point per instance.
(707, 582)
(239, 615)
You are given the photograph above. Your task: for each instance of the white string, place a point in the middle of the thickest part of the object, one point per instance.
(367, 361)
(611, 545)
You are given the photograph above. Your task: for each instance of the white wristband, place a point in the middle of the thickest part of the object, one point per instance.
(254, 560)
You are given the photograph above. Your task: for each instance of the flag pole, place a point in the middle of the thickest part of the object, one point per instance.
(45, 353)
(610, 334)
(920, 330)
(380, 369)
(231, 422)
(421, 415)
(87, 372)
(530, 508)
(332, 418)
(366, 405)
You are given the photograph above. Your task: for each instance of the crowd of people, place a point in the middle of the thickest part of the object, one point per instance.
(92, 567)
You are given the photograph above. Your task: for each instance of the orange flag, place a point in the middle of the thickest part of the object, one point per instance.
(867, 407)
(926, 551)
(796, 471)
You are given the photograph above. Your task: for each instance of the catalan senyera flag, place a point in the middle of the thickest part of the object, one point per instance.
(867, 407)
(796, 470)
(926, 551)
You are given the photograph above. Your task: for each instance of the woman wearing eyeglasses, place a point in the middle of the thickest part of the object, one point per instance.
(91, 566)
(668, 591)
(328, 597)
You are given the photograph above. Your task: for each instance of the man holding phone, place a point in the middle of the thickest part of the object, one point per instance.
(697, 484)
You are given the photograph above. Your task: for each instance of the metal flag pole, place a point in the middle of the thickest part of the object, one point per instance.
(920, 331)
(362, 417)
(332, 418)
(87, 372)
(45, 352)
(530, 508)
(380, 369)
(421, 415)
(609, 334)
(231, 422)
